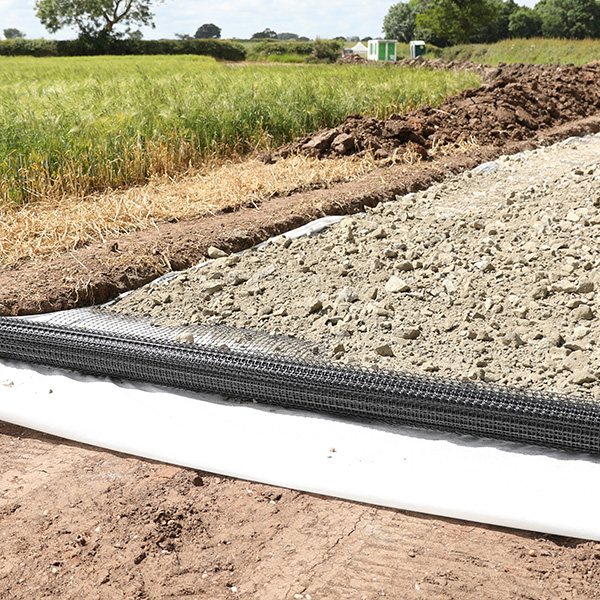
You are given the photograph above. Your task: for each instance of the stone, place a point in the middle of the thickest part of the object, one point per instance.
(553, 337)
(405, 265)
(580, 332)
(410, 333)
(396, 285)
(585, 287)
(266, 272)
(539, 292)
(449, 286)
(384, 350)
(564, 286)
(216, 252)
(581, 377)
(348, 294)
(576, 361)
(484, 336)
(236, 278)
(313, 305)
(185, 337)
(212, 287)
(583, 313)
(513, 339)
(484, 265)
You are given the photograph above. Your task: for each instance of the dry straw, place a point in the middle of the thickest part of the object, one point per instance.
(52, 226)
(62, 224)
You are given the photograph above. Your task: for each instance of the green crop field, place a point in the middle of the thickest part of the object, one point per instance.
(534, 50)
(70, 126)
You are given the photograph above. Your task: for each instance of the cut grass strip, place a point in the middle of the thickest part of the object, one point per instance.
(52, 226)
(56, 225)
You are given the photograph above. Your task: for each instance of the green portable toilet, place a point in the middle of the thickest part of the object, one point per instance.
(382, 50)
(417, 48)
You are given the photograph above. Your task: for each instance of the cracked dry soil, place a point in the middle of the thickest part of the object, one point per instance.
(80, 522)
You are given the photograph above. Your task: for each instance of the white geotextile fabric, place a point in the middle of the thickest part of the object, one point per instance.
(486, 481)
(449, 475)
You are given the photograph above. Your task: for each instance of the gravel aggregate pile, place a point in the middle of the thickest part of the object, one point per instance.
(493, 275)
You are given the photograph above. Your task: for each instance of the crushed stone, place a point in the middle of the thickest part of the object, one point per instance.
(493, 275)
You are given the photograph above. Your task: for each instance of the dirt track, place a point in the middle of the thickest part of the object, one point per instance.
(79, 522)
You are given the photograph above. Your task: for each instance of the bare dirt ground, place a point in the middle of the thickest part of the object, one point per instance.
(81, 522)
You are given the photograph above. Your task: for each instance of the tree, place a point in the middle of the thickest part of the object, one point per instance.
(267, 34)
(183, 36)
(208, 31)
(458, 20)
(12, 34)
(400, 22)
(525, 23)
(497, 29)
(571, 19)
(94, 18)
(284, 37)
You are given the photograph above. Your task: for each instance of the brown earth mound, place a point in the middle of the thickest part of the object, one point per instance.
(352, 59)
(518, 101)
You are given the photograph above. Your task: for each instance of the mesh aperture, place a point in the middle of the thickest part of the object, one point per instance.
(286, 372)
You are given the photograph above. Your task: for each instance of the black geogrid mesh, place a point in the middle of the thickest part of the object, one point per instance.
(286, 372)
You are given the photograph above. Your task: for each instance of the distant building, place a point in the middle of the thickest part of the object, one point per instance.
(417, 48)
(360, 49)
(382, 50)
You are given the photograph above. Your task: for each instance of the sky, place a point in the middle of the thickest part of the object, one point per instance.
(236, 18)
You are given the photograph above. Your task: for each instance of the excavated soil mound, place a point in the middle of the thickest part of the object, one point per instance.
(352, 59)
(518, 101)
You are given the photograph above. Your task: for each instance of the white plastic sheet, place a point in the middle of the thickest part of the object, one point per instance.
(441, 474)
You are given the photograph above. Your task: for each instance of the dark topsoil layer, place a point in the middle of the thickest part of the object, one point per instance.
(520, 106)
(517, 101)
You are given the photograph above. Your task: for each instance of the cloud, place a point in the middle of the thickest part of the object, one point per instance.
(237, 18)
(241, 19)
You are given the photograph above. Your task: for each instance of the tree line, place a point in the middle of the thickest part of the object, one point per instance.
(448, 22)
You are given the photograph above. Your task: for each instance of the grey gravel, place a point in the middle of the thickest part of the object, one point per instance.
(493, 277)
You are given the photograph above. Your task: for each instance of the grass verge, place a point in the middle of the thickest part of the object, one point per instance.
(536, 50)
